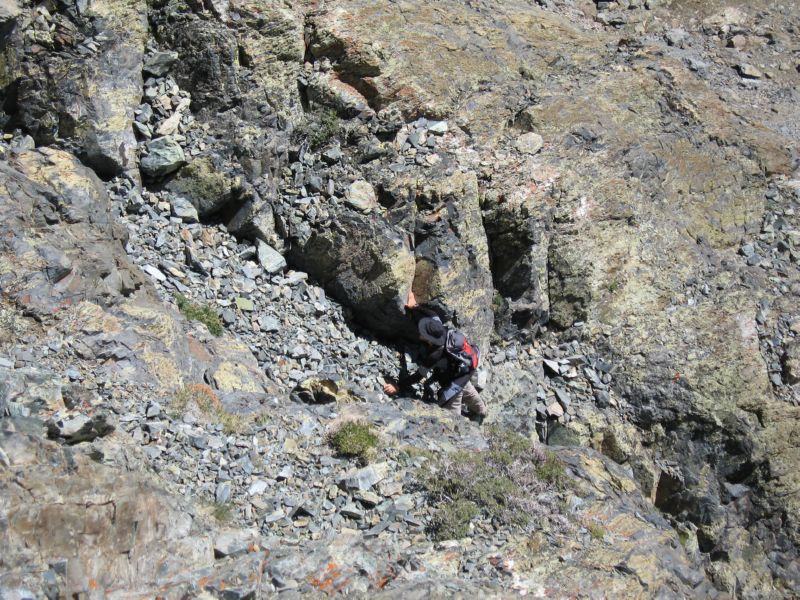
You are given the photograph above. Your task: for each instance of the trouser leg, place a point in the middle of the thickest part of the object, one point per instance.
(469, 396)
(472, 399)
(454, 405)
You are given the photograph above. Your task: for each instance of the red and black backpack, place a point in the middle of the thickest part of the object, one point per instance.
(465, 356)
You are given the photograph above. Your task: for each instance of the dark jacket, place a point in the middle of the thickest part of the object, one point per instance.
(437, 364)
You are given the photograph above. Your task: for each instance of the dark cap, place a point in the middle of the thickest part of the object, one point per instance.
(431, 330)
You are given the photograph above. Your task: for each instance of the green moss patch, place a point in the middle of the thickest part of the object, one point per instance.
(597, 531)
(223, 513)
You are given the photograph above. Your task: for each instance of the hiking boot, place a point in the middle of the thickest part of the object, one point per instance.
(477, 418)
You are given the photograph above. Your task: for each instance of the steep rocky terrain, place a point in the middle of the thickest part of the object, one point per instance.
(212, 213)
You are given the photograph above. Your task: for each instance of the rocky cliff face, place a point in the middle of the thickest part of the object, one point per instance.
(213, 212)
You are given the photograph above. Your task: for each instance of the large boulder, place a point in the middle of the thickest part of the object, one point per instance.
(29, 392)
(365, 262)
(59, 244)
(10, 11)
(164, 156)
(452, 255)
(206, 185)
(623, 530)
(146, 342)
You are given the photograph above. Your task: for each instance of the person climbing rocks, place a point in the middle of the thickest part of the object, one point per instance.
(451, 361)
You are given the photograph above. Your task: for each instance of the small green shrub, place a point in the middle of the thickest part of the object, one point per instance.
(475, 478)
(451, 520)
(199, 312)
(354, 440)
(552, 471)
(499, 304)
(596, 531)
(231, 423)
(199, 394)
(320, 128)
(501, 482)
(506, 446)
(222, 512)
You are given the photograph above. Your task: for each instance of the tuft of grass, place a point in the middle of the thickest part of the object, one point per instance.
(501, 483)
(200, 312)
(596, 531)
(506, 446)
(412, 452)
(684, 535)
(451, 522)
(354, 440)
(207, 402)
(222, 512)
(551, 470)
(320, 128)
(230, 422)
(199, 394)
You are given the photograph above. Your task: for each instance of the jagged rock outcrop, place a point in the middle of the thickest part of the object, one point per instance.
(74, 526)
(618, 254)
(236, 55)
(611, 187)
(63, 253)
(386, 67)
(235, 66)
(639, 210)
(76, 75)
(517, 233)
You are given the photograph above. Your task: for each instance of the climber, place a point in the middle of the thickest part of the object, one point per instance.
(451, 361)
